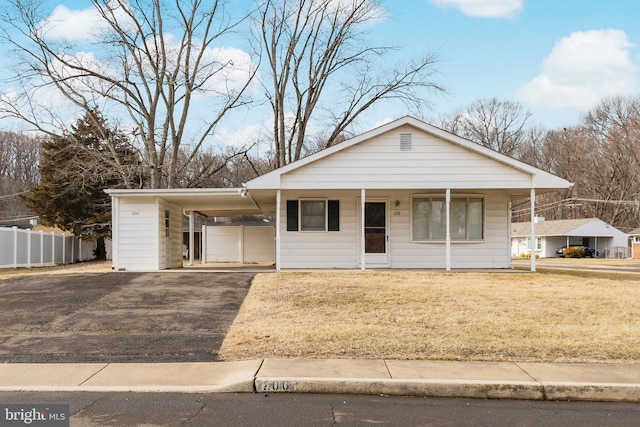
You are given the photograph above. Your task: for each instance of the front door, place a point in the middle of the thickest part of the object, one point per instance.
(376, 241)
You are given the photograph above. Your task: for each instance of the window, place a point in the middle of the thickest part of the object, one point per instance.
(313, 215)
(538, 244)
(429, 218)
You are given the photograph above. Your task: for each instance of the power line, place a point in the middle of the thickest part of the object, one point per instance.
(8, 196)
(5, 221)
(569, 201)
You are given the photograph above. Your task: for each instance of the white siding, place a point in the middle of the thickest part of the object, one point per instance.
(431, 163)
(141, 242)
(137, 234)
(339, 249)
(330, 249)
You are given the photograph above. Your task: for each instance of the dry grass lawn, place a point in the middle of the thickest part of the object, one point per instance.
(80, 267)
(437, 315)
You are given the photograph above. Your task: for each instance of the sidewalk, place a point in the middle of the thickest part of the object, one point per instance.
(485, 380)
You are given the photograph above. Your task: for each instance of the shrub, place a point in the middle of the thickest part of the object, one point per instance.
(574, 252)
(528, 255)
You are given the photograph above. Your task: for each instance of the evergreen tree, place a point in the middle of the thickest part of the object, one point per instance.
(74, 171)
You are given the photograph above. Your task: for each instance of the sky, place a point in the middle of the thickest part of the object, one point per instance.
(558, 58)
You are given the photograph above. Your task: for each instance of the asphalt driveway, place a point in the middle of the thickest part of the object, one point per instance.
(118, 316)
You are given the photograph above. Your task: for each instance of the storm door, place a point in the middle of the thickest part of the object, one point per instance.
(376, 239)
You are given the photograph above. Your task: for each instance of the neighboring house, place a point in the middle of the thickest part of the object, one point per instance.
(403, 195)
(550, 235)
(634, 243)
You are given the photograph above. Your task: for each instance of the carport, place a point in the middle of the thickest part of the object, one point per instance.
(147, 233)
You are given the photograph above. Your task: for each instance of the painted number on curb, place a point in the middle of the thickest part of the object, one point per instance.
(275, 386)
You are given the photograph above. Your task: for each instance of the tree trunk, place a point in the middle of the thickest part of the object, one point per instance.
(101, 250)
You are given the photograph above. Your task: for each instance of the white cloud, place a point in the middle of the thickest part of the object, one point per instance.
(581, 70)
(230, 69)
(483, 8)
(240, 136)
(73, 25)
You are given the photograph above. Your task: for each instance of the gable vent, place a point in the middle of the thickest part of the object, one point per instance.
(405, 142)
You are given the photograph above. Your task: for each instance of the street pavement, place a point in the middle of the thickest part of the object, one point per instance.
(485, 380)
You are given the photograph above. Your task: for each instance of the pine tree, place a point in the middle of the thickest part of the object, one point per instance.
(74, 171)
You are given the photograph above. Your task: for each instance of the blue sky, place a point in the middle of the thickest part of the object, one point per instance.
(558, 58)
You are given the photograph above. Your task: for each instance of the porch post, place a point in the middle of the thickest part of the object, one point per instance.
(191, 238)
(203, 245)
(278, 215)
(362, 201)
(533, 230)
(448, 232)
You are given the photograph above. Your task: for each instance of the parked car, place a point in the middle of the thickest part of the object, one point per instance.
(586, 252)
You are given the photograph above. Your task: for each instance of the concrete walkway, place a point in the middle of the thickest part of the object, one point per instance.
(485, 380)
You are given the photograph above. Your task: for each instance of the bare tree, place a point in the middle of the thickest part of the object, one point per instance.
(19, 159)
(319, 61)
(601, 156)
(150, 62)
(226, 169)
(502, 126)
(614, 128)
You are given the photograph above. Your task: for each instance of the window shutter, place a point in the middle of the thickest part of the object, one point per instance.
(333, 212)
(292, 215)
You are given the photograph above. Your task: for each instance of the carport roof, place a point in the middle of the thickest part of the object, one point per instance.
(207, 201)
(566, 227)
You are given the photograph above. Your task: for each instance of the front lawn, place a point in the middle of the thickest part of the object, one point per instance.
(510, 316)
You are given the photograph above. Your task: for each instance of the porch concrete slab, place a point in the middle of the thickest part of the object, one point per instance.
(466, 371)
(325, 368)
(31, 375)
(176, 377)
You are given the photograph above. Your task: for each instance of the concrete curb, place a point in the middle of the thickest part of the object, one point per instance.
(457, 389)
(479, 380)
(597, 392)
(424, 388)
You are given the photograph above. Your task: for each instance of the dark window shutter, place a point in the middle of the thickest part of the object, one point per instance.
(333, 211)
(292, 215)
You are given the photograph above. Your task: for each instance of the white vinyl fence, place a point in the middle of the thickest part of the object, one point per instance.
(241, 244)
(26, 248)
